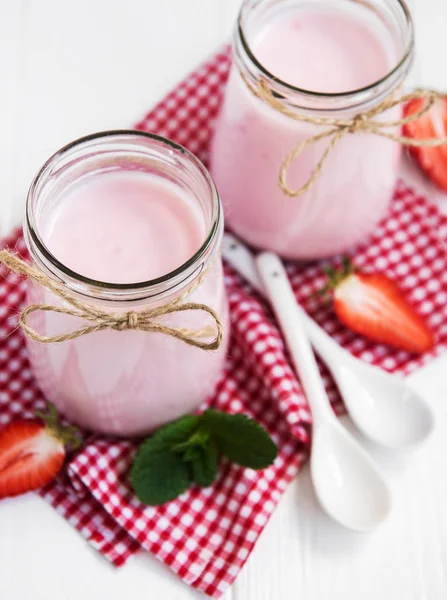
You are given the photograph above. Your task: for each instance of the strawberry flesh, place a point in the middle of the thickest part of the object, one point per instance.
(30, 457)
(431, 125)
(372, 305)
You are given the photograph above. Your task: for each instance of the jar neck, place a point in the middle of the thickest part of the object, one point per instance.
(393, 14)
(117, 150)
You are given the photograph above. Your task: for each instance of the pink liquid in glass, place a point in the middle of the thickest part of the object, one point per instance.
(126, 227)
(323, 49)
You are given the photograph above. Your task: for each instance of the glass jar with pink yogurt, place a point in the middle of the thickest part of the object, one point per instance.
(126, 221)
(321, 58)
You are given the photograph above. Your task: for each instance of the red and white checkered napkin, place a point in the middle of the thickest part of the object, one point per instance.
(206, 535)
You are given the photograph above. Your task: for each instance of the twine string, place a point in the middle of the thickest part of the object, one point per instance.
(144, 320)
(338, 128)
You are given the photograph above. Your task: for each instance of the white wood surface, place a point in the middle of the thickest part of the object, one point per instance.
(69, 68)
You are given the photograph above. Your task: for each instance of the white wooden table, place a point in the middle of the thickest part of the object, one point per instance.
(69, 68)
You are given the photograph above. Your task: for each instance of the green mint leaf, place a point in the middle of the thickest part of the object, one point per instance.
(204, 464)
(240, 439)
(191, 454)
(159, 476)
(173, 434)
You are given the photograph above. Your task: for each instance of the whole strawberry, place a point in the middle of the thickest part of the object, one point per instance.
(32, 453)
(372, 305)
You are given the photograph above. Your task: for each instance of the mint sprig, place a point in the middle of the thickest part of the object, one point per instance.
(186, 452)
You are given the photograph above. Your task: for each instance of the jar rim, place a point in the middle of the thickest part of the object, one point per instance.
(401, 63)
(115, 291)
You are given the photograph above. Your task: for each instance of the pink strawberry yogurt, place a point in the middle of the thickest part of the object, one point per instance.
(324, 59)
(127, 221)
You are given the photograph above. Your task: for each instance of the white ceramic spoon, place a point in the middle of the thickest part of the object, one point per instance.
(383, 406)
(348, 485)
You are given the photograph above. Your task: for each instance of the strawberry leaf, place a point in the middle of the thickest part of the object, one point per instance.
(336, 276)
(69, 435)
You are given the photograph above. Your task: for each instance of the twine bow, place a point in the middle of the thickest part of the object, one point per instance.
(145, 320)
(339, 128)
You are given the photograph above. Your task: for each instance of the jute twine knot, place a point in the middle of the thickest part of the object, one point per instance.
(358, 123)
(337, 128)
(99, 320)
(131, 321)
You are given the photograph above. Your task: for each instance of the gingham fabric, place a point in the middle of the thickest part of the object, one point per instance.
(207, 535)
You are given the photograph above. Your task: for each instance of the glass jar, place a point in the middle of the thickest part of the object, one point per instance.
(126, 382)
(252, 139)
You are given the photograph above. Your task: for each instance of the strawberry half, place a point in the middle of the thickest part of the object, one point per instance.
(32, 453)
(372, 305)
(431, 125)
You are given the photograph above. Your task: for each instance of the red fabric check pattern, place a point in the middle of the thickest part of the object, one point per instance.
(207, 535)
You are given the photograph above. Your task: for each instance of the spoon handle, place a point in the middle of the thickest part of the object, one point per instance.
(282, 298)
(240, 257)
(242, 260)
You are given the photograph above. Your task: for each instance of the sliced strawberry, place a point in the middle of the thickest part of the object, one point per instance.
(32, 454)
(372, 305)
(433, 124)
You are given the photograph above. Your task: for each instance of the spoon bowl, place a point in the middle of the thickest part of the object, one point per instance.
(344, 477)
(383, 406)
